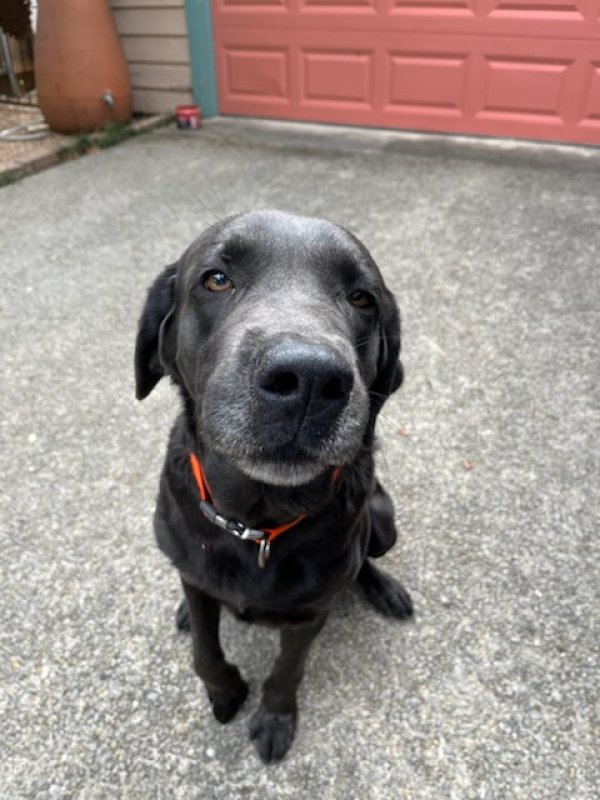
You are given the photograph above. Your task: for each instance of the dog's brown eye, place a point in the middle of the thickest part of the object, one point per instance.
(361, 299)
(217, 281)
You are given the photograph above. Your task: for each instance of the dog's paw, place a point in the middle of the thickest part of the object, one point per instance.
(272, 733)
(226, 706)
(182, 617)
(385, 593)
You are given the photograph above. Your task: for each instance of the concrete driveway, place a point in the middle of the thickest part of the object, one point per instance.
(490, 451)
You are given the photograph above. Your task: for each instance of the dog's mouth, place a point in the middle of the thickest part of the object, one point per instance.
(276, 456)
(282, 473)
(290, 466)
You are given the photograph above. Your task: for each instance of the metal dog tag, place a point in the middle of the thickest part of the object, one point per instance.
(264, 551)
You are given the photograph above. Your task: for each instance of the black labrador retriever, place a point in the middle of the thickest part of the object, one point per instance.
(283, 341)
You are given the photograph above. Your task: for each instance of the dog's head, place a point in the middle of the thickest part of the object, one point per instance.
(283, 338)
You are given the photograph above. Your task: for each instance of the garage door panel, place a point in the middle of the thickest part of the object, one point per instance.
(250, 12)
(541, 85)
(257, 6)
(451, 8)
(337, 76)
(429, 82)
(333, 5)
(529, 11)
(260, 73)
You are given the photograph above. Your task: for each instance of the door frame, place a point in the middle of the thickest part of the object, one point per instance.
(198, 15)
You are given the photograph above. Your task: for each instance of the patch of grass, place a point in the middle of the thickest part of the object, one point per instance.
(6, 178)
(114, 133)
(111, 134)
(82, 144)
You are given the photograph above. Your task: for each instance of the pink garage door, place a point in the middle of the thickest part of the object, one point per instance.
(528, 68)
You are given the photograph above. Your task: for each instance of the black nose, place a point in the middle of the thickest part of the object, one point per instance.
(304, 384)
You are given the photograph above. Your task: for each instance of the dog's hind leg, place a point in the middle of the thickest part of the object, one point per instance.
(383, 529)
(384, 592)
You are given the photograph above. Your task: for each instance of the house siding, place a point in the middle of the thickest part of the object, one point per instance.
(154, 38)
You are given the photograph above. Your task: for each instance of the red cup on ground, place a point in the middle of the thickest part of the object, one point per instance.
(188, 117)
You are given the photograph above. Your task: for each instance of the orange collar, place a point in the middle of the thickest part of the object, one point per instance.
(262, 537)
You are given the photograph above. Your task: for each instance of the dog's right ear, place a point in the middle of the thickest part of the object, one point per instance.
(157, 313)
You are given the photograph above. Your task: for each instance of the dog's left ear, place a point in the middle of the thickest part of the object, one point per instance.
(156, 316)
(390, 373)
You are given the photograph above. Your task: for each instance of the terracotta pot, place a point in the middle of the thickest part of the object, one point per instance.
(81, 74)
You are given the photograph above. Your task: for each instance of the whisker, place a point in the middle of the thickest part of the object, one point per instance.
(367, 340)
(204, 205)
(215, 192)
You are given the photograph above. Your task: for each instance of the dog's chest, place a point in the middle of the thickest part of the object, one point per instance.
(288, 588)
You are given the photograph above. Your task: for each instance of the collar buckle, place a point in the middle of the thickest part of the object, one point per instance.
(230, 525)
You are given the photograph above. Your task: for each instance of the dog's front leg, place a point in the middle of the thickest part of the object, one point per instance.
(273, 726)
(226, 689)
